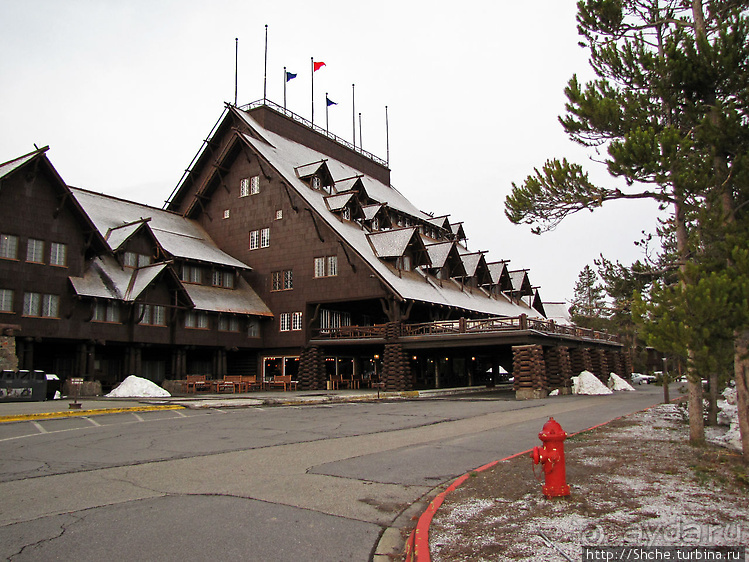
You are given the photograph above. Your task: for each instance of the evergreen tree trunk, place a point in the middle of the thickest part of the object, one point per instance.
(741, 372)
(712, 411)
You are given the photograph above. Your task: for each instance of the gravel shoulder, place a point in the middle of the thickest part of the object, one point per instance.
(635, 482)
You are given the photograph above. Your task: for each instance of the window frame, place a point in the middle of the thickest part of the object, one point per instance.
(8, 242)
(58, 254)
(34, 249)
(7, 301)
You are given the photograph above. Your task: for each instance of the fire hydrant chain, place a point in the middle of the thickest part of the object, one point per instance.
(551, 456)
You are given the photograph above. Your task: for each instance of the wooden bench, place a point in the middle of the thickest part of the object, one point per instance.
(195, 383)
(282, 381)
(250, 382)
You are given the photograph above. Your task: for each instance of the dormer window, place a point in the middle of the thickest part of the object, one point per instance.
(375, 224)
(133, 259)
(346, 213)
(316, 182)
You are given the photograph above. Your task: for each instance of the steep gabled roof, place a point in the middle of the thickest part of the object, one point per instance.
(12, 165)
(338, 201)
(444, 254)
(393, 243)
(176, 235)
(521, 285)
(107, 279)
(118, 235)
(240, 300)
(285, 156)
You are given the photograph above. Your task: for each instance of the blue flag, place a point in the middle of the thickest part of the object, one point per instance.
(290, 76)
(329, 102)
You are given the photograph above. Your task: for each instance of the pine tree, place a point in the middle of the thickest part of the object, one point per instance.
(669, 108)
(589, 308)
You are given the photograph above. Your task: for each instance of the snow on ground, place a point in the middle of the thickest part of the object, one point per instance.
(728, 415)
(136, 387)
(618, 383)
(588, 383)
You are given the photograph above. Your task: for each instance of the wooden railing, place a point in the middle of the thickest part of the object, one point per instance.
(468, 326)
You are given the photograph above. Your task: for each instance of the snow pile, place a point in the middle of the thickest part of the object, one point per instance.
(588, 383)
(728, 414)
(618, 383)
(554, 392)
(136, 387)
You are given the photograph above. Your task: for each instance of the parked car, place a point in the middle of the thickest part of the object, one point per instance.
(639, 378)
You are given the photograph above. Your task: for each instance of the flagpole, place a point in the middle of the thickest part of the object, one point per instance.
(326, 112)
(312, 101)
(284, 88)
(265, 71)
(236, 67)
(360, 138)
(387, 136)
(353, 110)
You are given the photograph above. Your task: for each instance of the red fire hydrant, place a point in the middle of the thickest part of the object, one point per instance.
(551, 455)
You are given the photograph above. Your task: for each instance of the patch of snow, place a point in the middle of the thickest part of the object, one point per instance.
(57, 396)
(554, 392)
(136, 387)
(588, 383)
(618, 383)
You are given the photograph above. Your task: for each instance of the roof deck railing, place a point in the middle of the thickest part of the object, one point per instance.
(309, 124)
(469, 326)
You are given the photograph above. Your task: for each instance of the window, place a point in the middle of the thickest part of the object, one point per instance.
(296, 321)
(32, 304)
(227, 213)
(6, 300)
(316, 182)
(8, 246)
(192, 274)
(152, 315)
(50, 306)
(279, 214)
(259, 238)
(334, 319)
(133, 259)
(346, 213)
(198, 320)
(282, 280)
(249, 186)
(375, 224)
(228, 323)
(36, 304)
(106, 312)
(285, 321)
(35, 251)
(290, 321)
(58, 254)
(326, 266)
(253, 328)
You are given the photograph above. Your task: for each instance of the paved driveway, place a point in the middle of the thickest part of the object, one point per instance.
(285, 483)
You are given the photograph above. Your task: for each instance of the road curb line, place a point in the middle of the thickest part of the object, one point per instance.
(417, 545)
(78, 413)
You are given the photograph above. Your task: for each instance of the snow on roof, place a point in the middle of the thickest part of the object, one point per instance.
(370, 211)
(12, 165)
(471, 262)
(338, 202)
(346, 184)
(559, 312)
(178, 236)
(439, 252)
(118, 235)
(307, 170)
(286, 156)
(519, 279)
(496, 269)
(240, 300)
(391, 243)
(107, 279)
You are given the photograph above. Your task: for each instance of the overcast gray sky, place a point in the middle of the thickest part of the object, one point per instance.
(125, 92)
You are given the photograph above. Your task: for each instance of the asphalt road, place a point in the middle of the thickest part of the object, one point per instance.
(268, 484)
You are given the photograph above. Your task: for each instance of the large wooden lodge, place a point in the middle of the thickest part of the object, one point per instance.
(282, 250)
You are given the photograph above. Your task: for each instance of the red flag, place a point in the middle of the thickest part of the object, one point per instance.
(317, 66)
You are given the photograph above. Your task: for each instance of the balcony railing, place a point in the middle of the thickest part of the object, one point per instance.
(468, 326)
(309, 124)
